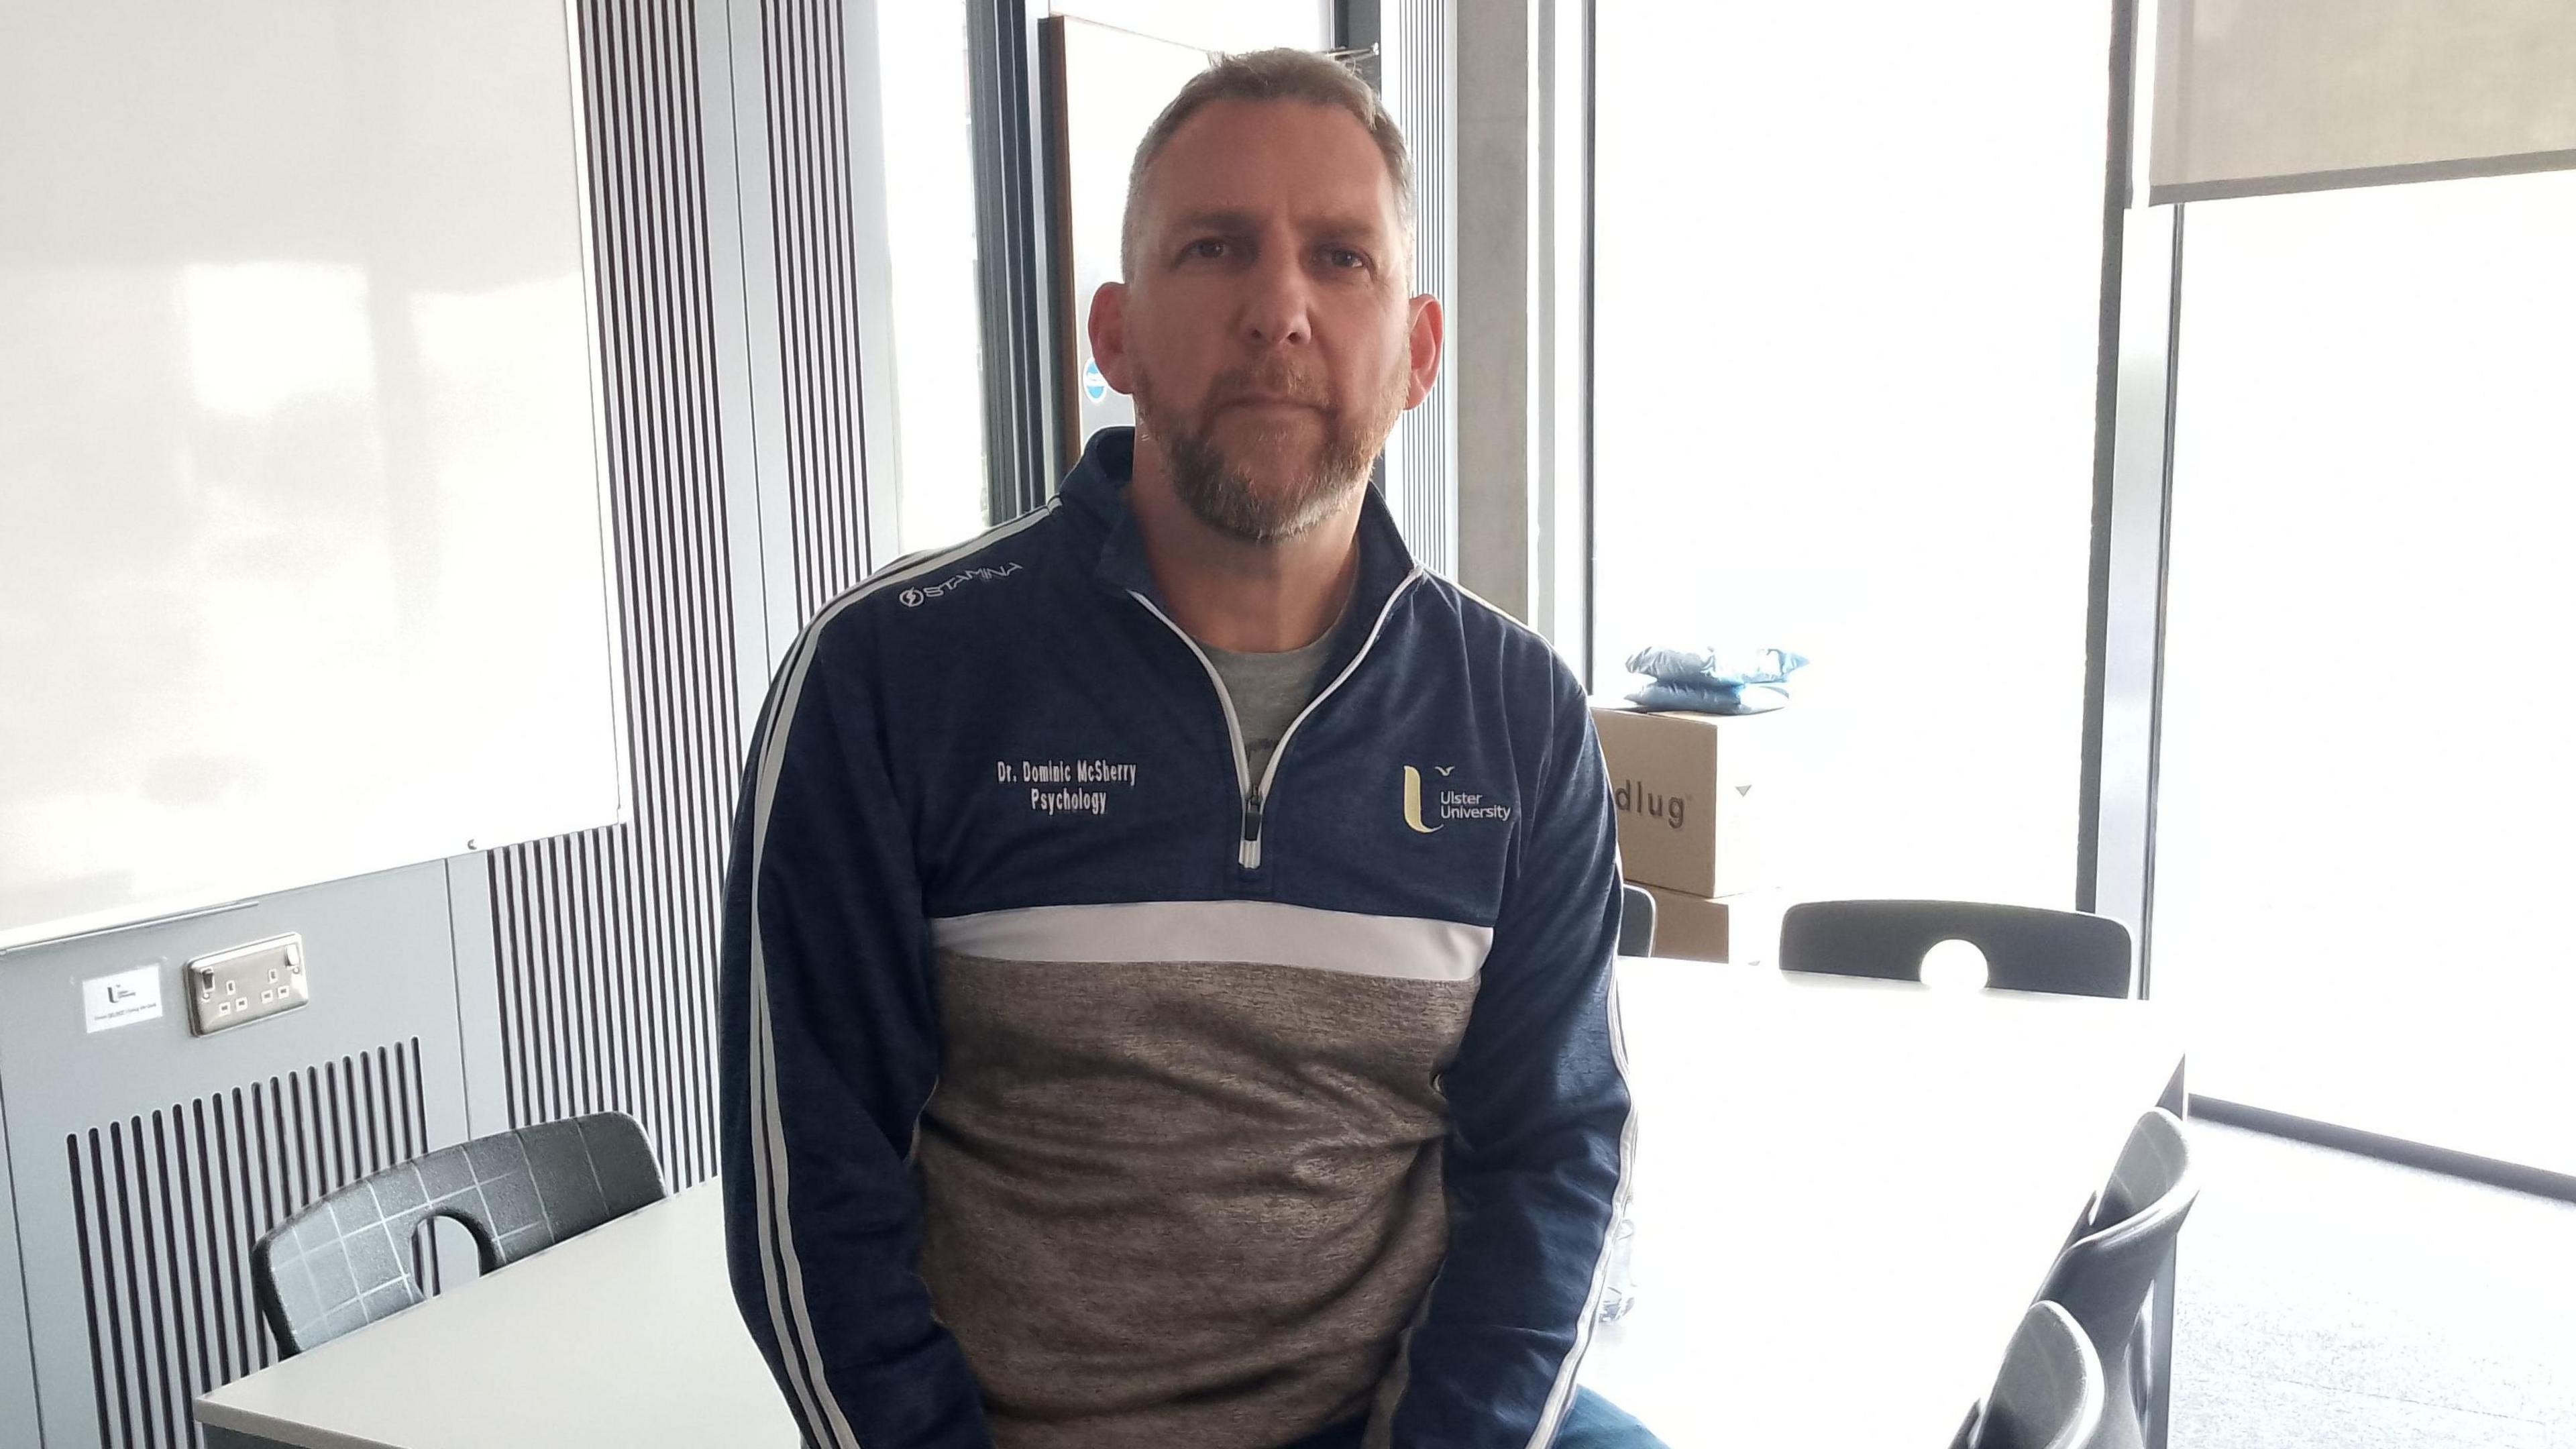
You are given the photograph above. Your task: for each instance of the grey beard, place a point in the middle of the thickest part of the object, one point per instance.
(1221, 495)
(1214, 489)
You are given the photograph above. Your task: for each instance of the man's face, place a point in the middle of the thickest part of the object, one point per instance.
(1266, 333)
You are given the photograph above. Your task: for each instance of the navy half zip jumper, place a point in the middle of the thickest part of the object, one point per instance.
(1079, 1089)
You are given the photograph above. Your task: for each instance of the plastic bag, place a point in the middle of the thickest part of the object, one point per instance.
(1712, 681)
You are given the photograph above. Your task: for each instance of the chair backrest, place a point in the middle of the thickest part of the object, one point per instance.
(2102, 1278)
(2049, 1395)
(2026, 949)
(345, 1261)
(1636, 921)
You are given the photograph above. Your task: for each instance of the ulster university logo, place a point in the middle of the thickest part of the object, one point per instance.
(1451, 804)
(1413, 799)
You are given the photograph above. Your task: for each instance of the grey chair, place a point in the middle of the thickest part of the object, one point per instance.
(2102, 1278)
(2026, 949)
(1636, 921)
(344, 1262)
(2049, 1395)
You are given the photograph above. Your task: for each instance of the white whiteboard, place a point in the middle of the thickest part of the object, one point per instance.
(302, 558)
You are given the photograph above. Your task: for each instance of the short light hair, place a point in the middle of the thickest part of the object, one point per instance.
(1271, 75)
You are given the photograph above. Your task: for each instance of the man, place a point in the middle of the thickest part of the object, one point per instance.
(1166, 994)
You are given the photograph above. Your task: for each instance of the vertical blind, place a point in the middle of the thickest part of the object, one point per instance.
(2262, 96)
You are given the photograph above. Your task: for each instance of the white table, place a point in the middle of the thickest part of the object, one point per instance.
(1846, 1192)
(623, 1338)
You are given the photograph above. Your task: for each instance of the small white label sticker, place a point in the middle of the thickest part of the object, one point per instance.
(122, 999)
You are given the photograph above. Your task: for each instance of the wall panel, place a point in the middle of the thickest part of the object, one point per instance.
(147, 1160)
(568, 975)
(1420, 70)
(604, 943)
(168, 1204)
(812, 234)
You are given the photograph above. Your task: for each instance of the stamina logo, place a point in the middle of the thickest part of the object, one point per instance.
(915, 598)
(1450, 805)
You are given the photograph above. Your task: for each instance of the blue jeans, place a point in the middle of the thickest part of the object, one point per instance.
(1596, 1423)
(1592, 1423)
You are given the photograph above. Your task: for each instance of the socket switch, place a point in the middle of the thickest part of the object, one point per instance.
(237, 987)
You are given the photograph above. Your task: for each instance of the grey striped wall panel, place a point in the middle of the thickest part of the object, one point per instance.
(168, 1205)
(605, 942)
(1419, 73)
(805, 85)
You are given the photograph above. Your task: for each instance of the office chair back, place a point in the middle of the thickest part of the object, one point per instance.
(2103, 1278)
(1636, 921)
(345, 1261)
(2026, 949)
(2049, 1395)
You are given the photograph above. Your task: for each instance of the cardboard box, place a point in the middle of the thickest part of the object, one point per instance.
(1689, 797)
(1741, 929)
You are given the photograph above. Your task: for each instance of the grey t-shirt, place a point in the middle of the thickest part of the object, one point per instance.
(1268, 690)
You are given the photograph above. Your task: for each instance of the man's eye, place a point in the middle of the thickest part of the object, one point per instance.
(1343, 258)
(1207, 248)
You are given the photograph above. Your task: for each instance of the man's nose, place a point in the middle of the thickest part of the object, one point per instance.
(1276, 311)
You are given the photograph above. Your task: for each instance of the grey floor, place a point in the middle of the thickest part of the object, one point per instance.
(2333, 1300)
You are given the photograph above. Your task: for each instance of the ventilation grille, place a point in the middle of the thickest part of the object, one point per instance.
(1420, 70)
(605, 941)
(818, 314)
(168, 1206)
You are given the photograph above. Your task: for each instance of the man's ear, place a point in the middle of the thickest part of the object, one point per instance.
(1423, 343)
(1109, 333)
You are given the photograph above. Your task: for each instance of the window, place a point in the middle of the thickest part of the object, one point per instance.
(1847, 291)
(930, 244)
(1238, 26)
(2361, 840)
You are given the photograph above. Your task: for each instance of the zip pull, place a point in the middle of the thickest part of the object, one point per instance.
(1248, 855)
